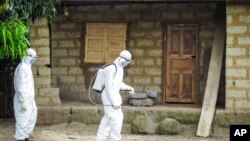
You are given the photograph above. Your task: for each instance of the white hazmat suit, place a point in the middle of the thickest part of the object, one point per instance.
(111, 122)
(24, 99)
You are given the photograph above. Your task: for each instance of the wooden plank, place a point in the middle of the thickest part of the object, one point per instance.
(213, 80)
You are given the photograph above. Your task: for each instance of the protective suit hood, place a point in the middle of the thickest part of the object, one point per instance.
(31, 57)
(124, 59)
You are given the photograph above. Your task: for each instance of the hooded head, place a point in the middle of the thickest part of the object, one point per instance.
(31, 56)
(124, 59)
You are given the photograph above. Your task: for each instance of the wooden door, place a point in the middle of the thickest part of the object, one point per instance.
(181, 63)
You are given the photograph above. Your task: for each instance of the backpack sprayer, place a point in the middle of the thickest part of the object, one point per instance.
(97, 84)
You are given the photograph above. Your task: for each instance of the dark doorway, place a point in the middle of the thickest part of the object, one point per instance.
(7, 69)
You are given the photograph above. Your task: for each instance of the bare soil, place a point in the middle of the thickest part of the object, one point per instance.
(81, 132)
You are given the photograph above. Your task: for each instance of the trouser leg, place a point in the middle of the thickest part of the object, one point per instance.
(103, 130)
(32, 120)
(21, 118)
(116, 125)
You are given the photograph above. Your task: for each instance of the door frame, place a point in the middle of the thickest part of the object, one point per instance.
(164, 58)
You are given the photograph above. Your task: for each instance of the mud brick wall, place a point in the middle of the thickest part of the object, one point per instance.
(238, 57)
(145, 39)
(40, 41)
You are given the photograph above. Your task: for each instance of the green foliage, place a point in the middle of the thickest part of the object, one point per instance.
(14, 32)
(13, 39)
(3, 5)
(25, 9)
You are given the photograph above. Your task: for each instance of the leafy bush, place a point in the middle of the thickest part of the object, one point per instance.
(14, 32)
(13, 39)
(25, 9)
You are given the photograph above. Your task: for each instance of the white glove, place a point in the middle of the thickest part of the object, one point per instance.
(131, 90)
(24, 106)
(116, 106)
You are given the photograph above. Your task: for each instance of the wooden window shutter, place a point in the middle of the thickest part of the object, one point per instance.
(104, 41)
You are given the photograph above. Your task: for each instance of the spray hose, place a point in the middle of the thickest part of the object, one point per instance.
(96, 104)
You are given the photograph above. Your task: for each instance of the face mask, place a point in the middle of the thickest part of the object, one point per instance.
(125, 62)
(32, 60)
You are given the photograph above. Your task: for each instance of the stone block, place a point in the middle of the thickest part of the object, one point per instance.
(43, 51)
(60, 53)
(236, 51)
(75, 70)
(67, 62)
(68, 25)
(39, 42)
(59, 70)
(236, 29)
(142, 102)
(236, 73)
(67, 79)
(43, 101)
(43, 81)
(243, 62)
(154, 52)
(245, 19)
(229, 62)
(229, 19)
(145, 43)
(244, 40)
(153, 71)
(236, 94)
(43, 32)
(44, 71)
(142, 80)
(230, 40)
(48, 97)
(233, 9)
(75, 53)
(43, 60)
(138, 96)
(54, 100)
(58, 35)
(242, 84)
(66, 44)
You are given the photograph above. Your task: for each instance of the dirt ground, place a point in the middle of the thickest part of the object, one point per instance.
(81, 132)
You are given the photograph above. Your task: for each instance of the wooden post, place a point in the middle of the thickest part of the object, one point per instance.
(213, 79)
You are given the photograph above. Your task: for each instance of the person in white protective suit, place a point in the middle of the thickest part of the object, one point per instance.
(111, 122)
(24, 100)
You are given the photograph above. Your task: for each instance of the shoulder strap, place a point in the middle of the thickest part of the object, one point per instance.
(109, 65)
(115, 68)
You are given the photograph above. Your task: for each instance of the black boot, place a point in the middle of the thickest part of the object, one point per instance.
(27, 139)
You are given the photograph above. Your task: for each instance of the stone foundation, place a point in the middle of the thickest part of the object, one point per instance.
(187, 117)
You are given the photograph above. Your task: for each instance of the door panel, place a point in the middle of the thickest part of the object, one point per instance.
(181, 63)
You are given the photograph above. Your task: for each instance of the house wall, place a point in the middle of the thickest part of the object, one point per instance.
(238, 57)
(146, 33)
(40, 41)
